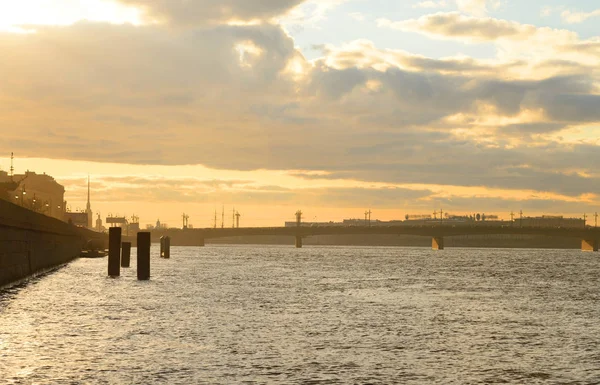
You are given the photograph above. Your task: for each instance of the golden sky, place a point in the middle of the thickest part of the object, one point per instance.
(333, 107)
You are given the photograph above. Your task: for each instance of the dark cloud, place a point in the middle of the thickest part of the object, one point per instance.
(456, 65)
(333, 83)
(530, 128)
(571, 107)
(456, 163)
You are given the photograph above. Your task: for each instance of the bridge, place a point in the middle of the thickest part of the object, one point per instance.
(590, 237)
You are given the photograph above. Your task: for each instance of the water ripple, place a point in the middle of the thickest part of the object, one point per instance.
(325, 315)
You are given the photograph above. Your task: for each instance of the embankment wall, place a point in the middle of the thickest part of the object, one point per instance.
(31, 243)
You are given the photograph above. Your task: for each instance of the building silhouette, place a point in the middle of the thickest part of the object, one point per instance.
(37, 192)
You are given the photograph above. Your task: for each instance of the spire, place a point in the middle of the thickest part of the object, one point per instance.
(88, 202)
(88, 208)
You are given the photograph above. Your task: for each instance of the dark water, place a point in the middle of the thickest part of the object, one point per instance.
(316, 315)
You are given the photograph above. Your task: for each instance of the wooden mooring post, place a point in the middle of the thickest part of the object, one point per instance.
(166, 248)
(143, 256)
(125, 254)
(114, 251)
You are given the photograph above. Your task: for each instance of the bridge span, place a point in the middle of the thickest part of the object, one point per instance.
(590, 237)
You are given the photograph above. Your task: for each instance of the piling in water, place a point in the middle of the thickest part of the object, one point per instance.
(162, 247)
(167, 248)
(114, 251)
(143, 256)
(125, 254)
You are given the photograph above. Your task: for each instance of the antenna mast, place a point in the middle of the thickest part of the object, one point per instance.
(12, 168)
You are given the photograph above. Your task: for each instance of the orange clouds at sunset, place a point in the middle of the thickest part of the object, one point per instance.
(173, 105)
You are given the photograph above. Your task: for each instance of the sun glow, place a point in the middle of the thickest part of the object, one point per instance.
(19, 16)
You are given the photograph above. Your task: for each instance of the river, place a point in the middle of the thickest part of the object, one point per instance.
(348, 315)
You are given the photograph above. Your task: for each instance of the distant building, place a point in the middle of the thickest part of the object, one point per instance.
(6, 186)
(134, 228)
(77, 219)
(313, 224)
(160, 225)
(550, 221)
(38, 192)
(99, 226)
(450, 220)
(118, 222)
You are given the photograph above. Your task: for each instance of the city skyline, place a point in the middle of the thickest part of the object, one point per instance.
(332, 107)
(206, 218)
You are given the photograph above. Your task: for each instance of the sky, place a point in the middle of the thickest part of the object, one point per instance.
(333, 107)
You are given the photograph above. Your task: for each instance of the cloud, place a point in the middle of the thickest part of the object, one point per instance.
(200, 12)
(549, 10)
(243, 97)
(478, 7)
(329, 192)
(458, 26)
(513, 41)
(311, 12)
(574, 17)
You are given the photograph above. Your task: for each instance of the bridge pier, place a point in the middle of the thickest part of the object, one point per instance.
(590, 245)
(298, 241)
(437, 243)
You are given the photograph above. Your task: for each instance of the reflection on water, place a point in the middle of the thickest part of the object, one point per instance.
(314, 315)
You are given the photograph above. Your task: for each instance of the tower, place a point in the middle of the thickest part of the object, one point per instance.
(12, 166)
(88, 207)
(98, 223)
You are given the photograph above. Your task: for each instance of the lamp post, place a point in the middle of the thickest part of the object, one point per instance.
(23, 193)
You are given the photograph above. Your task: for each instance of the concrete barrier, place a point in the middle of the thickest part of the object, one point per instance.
(32, 243)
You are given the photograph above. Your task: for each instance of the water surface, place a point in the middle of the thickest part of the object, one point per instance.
(256, 314)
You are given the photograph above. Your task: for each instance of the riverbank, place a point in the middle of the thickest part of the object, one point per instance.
(32, 243)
